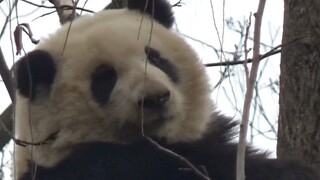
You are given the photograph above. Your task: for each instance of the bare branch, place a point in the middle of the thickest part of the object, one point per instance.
(231, 63)
(217, 31)
(246, 51)
(249, 93)
(6, 75)
(273, 51)
(65, 15)
(64, 7)
(178, 4)
(8, 18)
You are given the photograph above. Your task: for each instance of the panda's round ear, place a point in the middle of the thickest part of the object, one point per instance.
(36, 69)
(161, 10)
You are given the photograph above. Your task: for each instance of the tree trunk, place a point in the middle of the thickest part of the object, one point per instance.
(299, 119)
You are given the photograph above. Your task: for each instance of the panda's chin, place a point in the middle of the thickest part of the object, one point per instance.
(144, 126)
(151, 127)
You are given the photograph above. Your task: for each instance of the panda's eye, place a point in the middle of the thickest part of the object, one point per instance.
(154, 57)
(104, 79)
(163, 64)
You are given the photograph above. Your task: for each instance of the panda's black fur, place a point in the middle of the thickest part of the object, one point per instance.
(85, 145)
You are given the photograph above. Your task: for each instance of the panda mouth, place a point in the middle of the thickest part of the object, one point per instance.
(155, 118)
(152, 124)
(148, 125)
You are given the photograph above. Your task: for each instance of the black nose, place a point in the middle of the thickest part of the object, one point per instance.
(155, 101)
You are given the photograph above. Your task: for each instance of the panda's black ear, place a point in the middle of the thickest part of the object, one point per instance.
(161, 10)
(36, 69)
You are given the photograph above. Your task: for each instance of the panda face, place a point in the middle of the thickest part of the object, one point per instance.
(111, 81)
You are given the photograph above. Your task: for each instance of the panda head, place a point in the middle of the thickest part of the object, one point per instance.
(111, 77)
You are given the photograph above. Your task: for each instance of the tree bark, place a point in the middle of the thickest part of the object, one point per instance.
(299, 119)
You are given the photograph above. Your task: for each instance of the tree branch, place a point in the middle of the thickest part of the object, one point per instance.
(249, 93)
(65, 15)
(231, 63)
(6, 76)
(273, 51)
(64, 7)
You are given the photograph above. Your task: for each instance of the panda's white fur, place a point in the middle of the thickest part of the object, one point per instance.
(116, 38)
(88, 94)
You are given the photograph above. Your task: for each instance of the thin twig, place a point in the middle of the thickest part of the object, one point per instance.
(178, 4)
(217, 31)
(64, 7)
(273, 51)
(8, 18)
(231, 63)
(246, 51)
(177, 156)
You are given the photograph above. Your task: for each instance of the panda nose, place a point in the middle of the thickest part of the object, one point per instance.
(155, 101)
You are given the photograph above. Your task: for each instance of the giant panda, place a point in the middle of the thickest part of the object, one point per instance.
(119, 95)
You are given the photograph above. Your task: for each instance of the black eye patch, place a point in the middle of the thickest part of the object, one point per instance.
(104, 79)
(163, 64)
